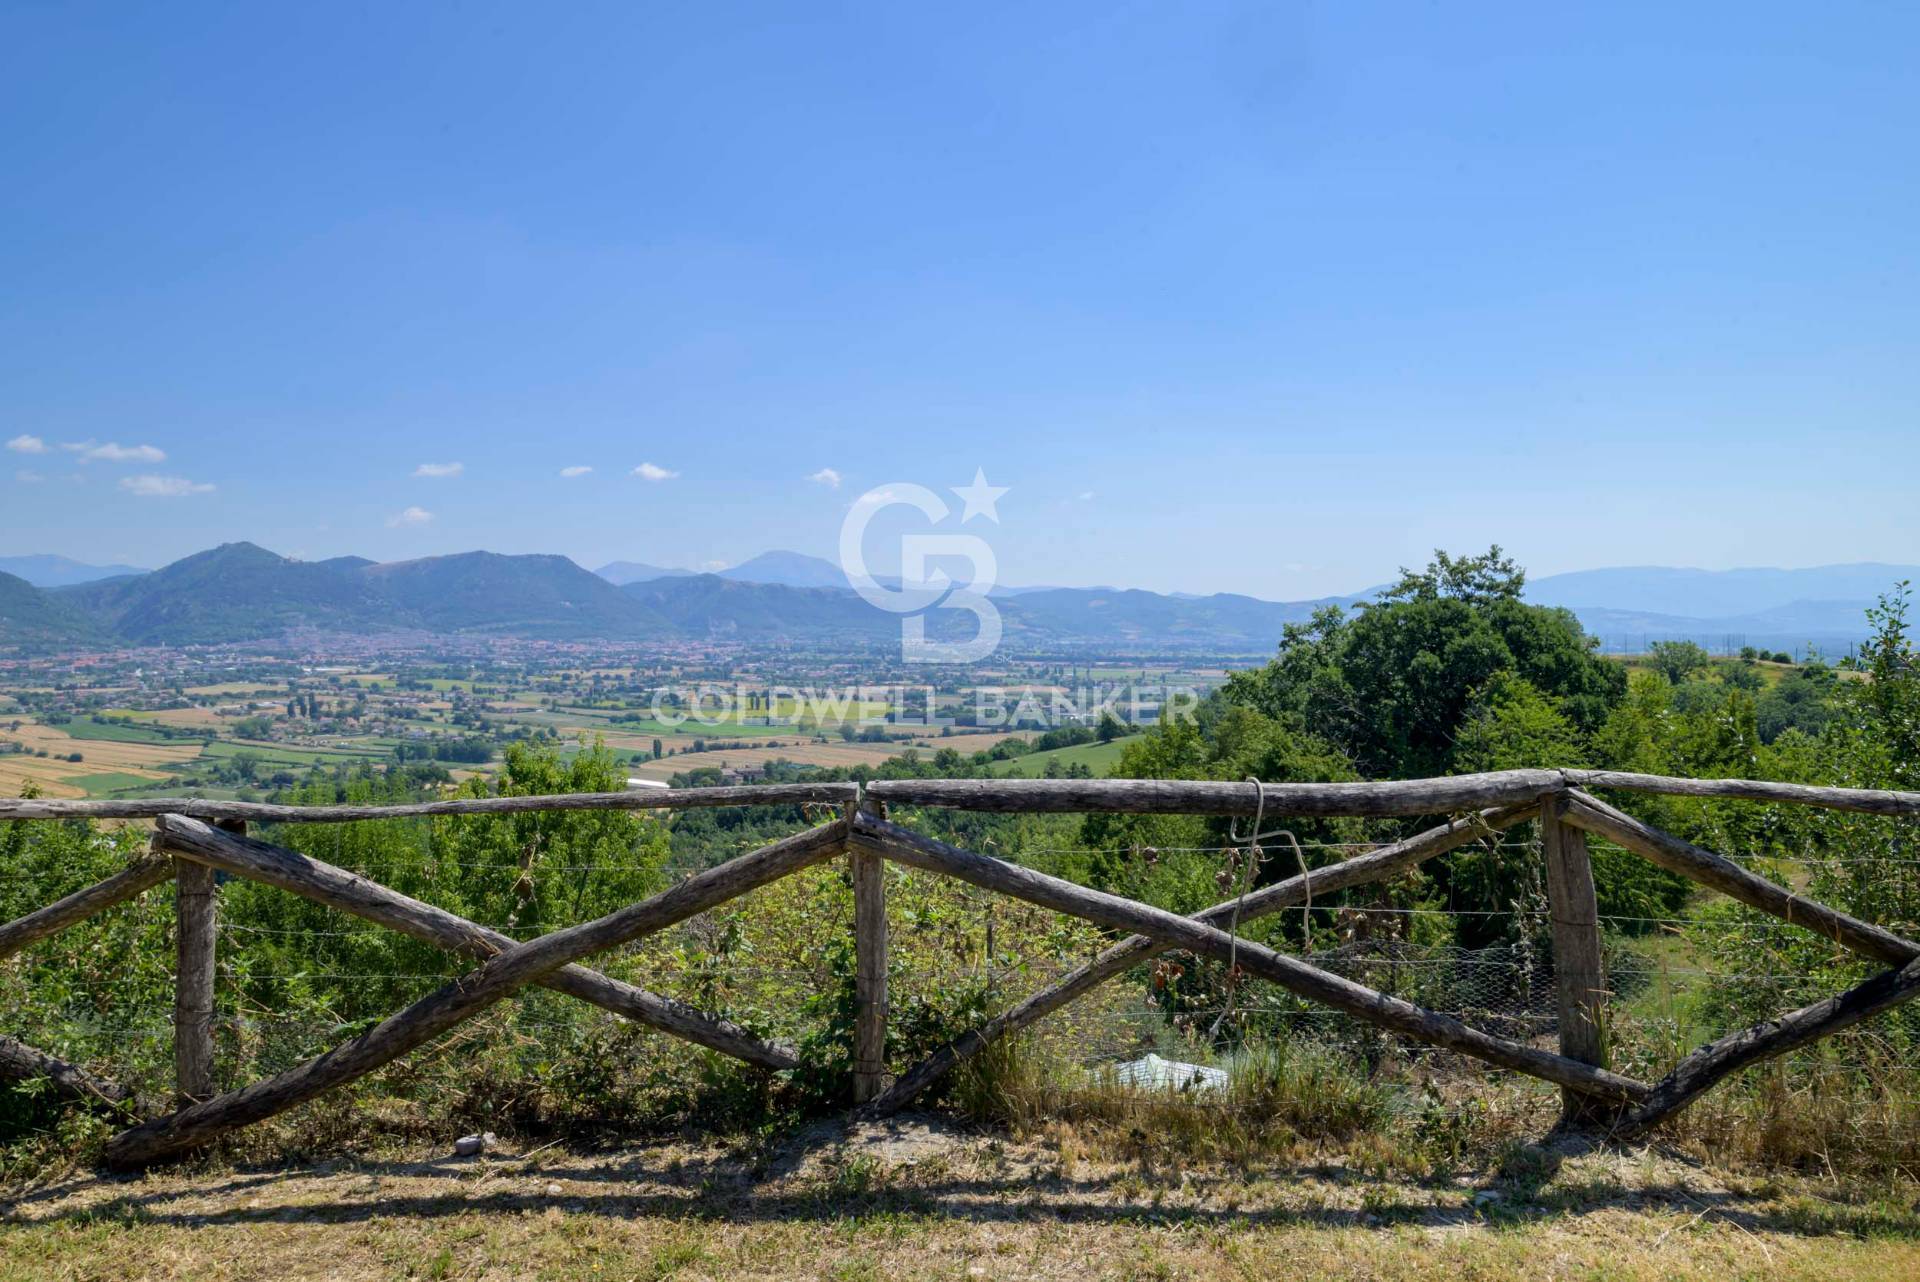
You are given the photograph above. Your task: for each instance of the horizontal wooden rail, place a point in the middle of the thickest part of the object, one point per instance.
(1296, 976)
(1375, 865)
(779, 794)
(1197, 797)
(82, 904)
(1869, 801)
(351, 893)
(460, 1000)
(1722, 874)
(1387, 798)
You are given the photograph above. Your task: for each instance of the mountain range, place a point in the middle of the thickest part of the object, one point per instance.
(47, 571)
(241, 592)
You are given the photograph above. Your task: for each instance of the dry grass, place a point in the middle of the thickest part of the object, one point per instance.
(926, 1201)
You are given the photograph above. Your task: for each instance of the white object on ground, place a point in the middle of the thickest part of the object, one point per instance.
(1170, 1074)
(468, 1145)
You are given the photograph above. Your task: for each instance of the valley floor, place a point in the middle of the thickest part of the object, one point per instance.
(924, 1202)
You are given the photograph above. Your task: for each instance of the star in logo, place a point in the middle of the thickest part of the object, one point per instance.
(980, 498)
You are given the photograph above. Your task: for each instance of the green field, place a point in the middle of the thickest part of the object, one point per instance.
(1097, 757)
(110, 782)
(89, 728)
(279, 756)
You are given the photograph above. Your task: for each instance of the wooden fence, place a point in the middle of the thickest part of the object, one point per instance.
(195, 839)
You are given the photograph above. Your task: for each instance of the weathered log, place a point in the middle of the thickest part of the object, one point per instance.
(869, 874)
(784, 794)
(1699, 1071)
(1870, 801)
(1375, 865)
(1722, 874)
(1296, 976)
(350, 893)
(1191, 797)
(1578, 975)
(20, 1062)
(134, 880)
(465, 997)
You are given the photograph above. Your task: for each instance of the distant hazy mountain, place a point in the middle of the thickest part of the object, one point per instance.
(1698, 594)
(50, 571)
(1627, 606)
(621, 573)
(707, 605)
(788, 569)
(1135, 616)
(713, 606)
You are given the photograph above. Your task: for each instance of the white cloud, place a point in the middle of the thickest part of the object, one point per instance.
(163, 487)
(28, 478)
(653, 472)
(25, 444)
(440, 470)
(578, 469)
(409, 516)
(826, 476)
(114, 452)
(1086, 496)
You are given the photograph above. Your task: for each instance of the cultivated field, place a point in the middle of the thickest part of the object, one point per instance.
(55, 776)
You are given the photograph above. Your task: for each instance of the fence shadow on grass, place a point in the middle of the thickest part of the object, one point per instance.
(825, 1176)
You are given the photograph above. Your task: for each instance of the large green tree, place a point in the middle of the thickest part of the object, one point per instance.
(1393, 685)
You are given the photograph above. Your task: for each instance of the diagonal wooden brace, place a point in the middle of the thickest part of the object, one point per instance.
(1375, 865)
(455, 1003)
(1699, 1071)
(349, 892)
(134, 880)
(1717, 872)
(1296, 976)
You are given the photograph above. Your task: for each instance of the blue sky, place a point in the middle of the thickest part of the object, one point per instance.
(1268, 298)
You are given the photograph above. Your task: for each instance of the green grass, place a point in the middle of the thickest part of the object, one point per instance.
(1100, 758)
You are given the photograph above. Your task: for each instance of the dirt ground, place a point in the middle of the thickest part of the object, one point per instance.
(926, 1201)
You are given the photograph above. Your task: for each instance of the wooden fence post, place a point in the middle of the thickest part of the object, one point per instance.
(1579, 980)
(869, 872)
(194, 907)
